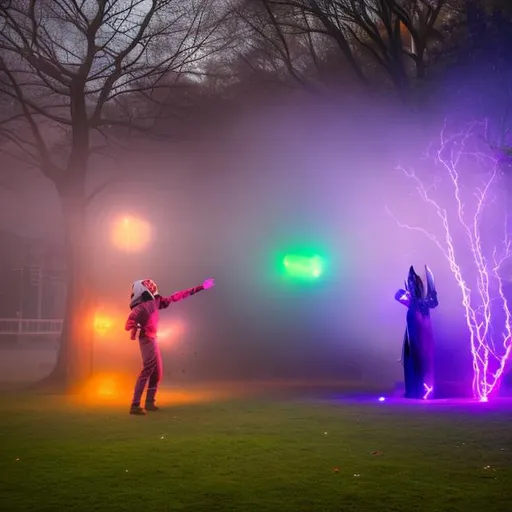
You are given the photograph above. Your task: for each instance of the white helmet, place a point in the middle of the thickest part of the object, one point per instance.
(139, 288)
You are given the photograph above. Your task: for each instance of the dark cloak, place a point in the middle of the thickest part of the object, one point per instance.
(418, 345)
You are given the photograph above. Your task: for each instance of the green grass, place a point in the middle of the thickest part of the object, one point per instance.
(253, 456)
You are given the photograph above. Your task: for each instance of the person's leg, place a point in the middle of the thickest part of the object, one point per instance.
(154, 381)
(148, 353)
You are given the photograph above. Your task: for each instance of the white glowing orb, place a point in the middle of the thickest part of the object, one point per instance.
(131, 234)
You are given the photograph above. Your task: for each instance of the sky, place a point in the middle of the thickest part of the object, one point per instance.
(295, 178)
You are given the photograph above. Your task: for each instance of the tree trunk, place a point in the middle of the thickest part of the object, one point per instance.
(75, 359)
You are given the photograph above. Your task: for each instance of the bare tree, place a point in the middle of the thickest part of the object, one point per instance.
(394, 33)
(70, 71)
(281, 42)
(476, 46)
(268, 48)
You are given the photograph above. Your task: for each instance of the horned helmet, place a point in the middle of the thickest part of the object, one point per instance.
(414, 285)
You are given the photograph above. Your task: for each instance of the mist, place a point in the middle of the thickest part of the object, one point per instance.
(318, 176)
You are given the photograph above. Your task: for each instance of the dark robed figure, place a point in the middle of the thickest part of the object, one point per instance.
(418, 347)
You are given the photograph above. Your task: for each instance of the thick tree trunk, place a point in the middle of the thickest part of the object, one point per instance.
(75, 359)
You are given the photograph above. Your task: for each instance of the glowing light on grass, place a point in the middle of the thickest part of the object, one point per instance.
(303, 267)
(106, 387)
(112, 388)
(131, 234)
(485, 305)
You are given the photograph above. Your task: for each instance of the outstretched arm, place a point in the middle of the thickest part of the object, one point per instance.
(176, 297)
(183, 294)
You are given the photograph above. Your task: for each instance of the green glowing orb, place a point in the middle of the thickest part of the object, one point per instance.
(303, 267)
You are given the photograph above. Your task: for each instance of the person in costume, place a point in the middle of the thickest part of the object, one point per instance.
(145, 304)
(418, 346)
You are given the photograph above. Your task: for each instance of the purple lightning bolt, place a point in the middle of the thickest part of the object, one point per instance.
(455, 154)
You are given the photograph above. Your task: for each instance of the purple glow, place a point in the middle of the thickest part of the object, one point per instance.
(451, 405)
(464, 228)
(382, 399)
(428, 391)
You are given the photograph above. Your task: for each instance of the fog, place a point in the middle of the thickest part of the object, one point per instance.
(317, 176)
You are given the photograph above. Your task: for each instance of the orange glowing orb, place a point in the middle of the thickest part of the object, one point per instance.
(102, 324)
(131, 234)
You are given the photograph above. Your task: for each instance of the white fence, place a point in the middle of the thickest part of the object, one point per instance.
(35, 327)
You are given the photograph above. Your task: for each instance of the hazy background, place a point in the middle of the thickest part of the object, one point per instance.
(294, 175)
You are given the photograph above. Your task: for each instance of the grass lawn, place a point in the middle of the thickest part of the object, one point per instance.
(260, 455)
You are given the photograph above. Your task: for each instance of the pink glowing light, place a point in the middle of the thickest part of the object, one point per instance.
(457, 157)
(428, 391)
(171, 333)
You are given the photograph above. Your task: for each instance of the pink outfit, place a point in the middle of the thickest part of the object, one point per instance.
(145, 317)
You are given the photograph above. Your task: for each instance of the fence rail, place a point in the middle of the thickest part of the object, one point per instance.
(25, 326)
